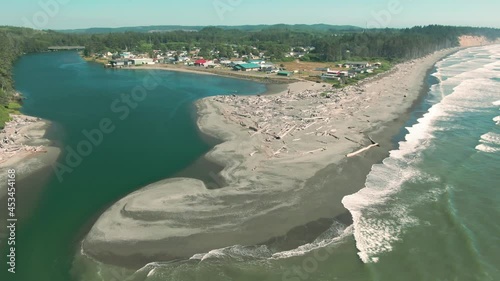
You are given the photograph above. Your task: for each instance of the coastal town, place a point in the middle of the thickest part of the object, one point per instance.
(292, 67)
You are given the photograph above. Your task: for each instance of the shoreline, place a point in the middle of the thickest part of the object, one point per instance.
(24, 146)
(268, 79)
(271, 186)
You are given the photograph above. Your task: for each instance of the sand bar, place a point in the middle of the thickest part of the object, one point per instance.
(23, 147)
(276, 151)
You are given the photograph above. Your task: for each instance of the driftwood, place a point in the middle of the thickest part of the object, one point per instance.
(316, 150)
(309, 125)
(281, 136)
(351, 140)
(261, 130)
(314, 118)
(331, 134)
(374, 144)
(279, 150)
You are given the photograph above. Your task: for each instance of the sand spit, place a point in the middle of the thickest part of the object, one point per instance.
(24, 148)
(273, 145)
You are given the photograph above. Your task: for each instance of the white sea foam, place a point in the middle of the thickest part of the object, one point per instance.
(497, 103)
(336, 233)
(490, 138)
(487, 148)
(236, 252)
(497, 120)
(379, 215)
(378, 220)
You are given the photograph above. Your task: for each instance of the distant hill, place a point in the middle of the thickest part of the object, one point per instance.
(249, 28)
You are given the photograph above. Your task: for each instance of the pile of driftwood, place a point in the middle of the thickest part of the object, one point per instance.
(12, 140)
(277, 119)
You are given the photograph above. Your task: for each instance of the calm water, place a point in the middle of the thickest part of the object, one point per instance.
(428, 212)
(150, 142)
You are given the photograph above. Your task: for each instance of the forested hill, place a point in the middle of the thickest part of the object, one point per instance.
(247, 28)
(274, 42)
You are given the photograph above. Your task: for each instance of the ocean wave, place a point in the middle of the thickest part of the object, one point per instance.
(497, 120)
(490, 138)
(378, 220)
(239, 253)
(336, 233)
(236, 253)
(379, 214)
(487, 148)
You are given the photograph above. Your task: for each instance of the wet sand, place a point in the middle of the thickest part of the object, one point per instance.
(269, 186)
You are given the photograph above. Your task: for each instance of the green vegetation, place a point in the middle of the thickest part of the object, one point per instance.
(247, 28)
(317, 42)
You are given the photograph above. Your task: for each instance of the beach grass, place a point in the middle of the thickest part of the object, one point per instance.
(4, 116)
(5, 111)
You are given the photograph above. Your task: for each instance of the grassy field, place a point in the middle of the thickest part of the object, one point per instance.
(308, 70)
(97, 60)
(5, 111)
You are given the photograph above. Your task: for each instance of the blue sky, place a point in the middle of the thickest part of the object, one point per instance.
(69, 14)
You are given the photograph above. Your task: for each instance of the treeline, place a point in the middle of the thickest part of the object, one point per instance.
(274, 42)
(395, 44)
(16, 41)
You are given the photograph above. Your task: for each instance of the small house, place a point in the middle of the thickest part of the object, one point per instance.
(246, 67)
(356, 64)
(139, 61)
(200, 62)
(257, 61)
(120, 62)
(284, 73)
(126, 55)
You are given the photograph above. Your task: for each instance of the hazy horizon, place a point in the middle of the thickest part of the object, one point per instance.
(70, 14)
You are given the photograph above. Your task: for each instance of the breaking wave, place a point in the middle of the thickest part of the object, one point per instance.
(381, 213)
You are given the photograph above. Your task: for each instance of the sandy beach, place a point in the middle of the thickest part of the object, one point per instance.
(286, 165)
(24, 147)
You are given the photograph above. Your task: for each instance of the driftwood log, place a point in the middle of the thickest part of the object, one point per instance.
(372, 145)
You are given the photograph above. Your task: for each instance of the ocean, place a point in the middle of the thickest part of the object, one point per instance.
(427, 212)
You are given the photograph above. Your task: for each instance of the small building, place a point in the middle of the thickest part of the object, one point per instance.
(139, 61)
(183, 59)
(267, 67)
(284, 73)
(126, 55)
(200, 62)
(234, 63)
(225, 62)
(356, 64)
(257, 61)
(120, 62)
(246, 67)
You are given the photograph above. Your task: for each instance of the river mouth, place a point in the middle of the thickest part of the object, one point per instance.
(76, 96)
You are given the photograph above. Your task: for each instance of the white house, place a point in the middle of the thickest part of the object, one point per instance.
(139, 61)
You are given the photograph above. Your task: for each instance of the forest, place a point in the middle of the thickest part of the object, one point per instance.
(330, 44)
